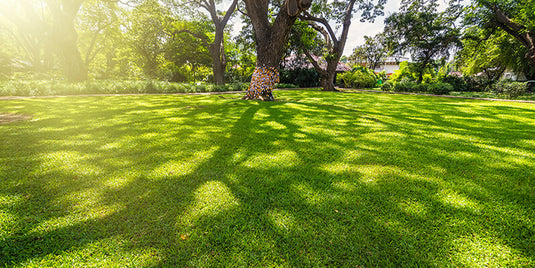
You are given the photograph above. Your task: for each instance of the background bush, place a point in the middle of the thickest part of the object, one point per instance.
(61, 87)
(359, 77)
(439, 88)
(509, 89)
(300, 77)
(466, 83)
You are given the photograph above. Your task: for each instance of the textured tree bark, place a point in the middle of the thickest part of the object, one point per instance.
(270, 42)
(328, 79)
(219, 60)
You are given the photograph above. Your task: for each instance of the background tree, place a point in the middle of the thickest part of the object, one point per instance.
(418, 28)
(321, 14)
(216, 47)
(148, 32)
(373, 52)
(515, 17)
(271, 36)
(489, 53)
(187, 54)
(99, 25)
(28, 27)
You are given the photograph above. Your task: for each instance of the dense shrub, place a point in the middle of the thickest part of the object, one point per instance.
(509, 89)
(388, 86)
(300, 77)
(404, 73)
(61, 87)
(439, 88)
(412, 87)
(466, 83)
(530, 85)
(404, 87)
(359, 77)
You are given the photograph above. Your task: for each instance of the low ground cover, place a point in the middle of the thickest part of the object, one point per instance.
(314, 179)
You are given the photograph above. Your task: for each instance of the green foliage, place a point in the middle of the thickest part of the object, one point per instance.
(436, 88)
(44, 88)
(509, 89)
(489, 53)
(407, 86)
(439, 88)
(300, 77)
(403, 73)
(506, 30)
(359, 77)
(373, 52)
(388, 86)
(466, 83)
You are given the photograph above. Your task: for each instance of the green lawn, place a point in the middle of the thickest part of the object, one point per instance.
(315, 179)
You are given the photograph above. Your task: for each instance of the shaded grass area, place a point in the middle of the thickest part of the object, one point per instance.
(315, 179)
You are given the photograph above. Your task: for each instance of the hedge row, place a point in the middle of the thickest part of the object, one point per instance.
(60, 87)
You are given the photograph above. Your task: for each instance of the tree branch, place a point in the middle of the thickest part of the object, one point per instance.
(314, 62)
(517, 30)
(307, 17)
(198, 36)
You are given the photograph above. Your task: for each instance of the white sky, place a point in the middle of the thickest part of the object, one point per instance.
(359, 29)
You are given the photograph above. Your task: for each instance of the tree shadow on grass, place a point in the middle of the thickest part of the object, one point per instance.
(291, 183)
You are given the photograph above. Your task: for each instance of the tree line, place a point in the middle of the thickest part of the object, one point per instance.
(190, 40)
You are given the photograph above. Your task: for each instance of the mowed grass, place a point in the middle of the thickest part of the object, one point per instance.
(314, 179)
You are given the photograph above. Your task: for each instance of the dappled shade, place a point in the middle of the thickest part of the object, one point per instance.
(314, 179)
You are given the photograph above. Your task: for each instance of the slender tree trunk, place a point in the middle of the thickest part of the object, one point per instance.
(218, 63)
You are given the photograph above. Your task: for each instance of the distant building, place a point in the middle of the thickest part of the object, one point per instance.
(515, 76)
(391, 64)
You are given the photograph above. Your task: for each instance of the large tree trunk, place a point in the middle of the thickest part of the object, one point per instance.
(70, 57)
(65, 39)
(266, 73)
(271, 40)
(329, 77)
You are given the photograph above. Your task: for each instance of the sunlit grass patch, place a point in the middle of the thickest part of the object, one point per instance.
(314, 179)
